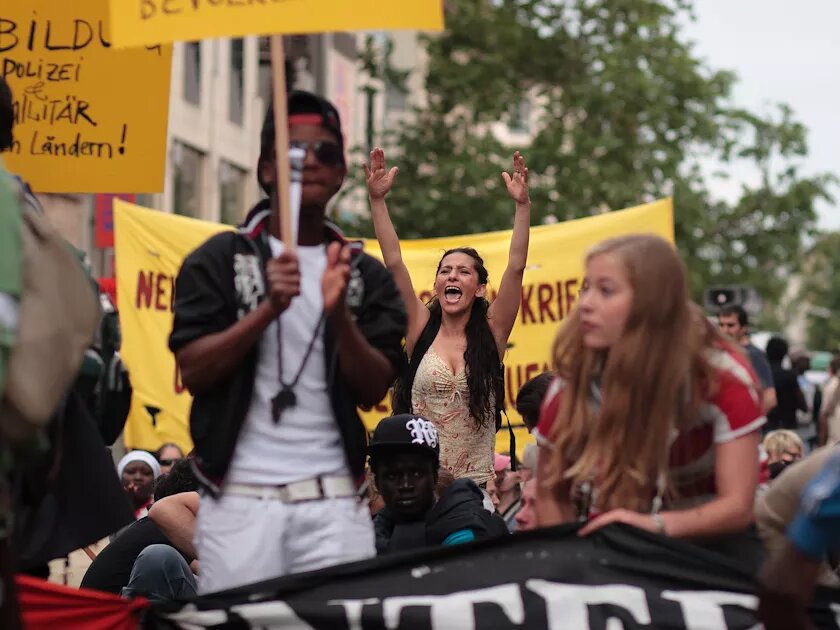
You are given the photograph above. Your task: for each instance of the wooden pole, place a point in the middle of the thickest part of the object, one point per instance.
(280, 200)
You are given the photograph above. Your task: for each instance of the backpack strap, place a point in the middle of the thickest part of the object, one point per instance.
(512, 440)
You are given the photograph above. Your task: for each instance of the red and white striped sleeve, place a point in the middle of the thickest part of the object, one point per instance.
(736, 404)
(548, 412)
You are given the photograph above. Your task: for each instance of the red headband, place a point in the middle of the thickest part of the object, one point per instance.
(306, 119)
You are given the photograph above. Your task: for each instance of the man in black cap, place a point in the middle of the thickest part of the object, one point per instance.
(279, 348)
(404, 457)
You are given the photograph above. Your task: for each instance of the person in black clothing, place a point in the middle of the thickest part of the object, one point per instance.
(405, 457)
(279, 348)
(789, 397)
(111, 571)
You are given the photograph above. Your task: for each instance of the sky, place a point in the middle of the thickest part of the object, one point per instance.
(782, 51)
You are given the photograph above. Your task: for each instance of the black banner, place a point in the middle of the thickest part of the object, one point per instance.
(617, 578)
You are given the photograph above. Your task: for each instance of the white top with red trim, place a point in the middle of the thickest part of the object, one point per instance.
(732, 412)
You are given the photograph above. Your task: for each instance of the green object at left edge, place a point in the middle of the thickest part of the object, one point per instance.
(11, 256)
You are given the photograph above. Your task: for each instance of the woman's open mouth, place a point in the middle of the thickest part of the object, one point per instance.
(452, 294)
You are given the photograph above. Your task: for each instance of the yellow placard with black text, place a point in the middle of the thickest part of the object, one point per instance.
(150, 246)
(87, 118)
(137, 22)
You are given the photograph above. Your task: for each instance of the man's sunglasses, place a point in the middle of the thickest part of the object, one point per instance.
(326, 152)
(169, 462)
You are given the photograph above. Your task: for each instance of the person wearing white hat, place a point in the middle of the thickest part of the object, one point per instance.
(138, 471)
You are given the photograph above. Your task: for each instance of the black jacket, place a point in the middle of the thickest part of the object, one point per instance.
(69, 497)
(111, 570)
(460, 507)
(223, 280)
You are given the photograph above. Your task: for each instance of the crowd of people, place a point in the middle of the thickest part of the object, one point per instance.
(652, 415)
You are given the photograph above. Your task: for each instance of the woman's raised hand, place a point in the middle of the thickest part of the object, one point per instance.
(518, 184)
(379, 179)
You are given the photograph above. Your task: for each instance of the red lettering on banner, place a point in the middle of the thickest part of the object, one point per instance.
(531, 370)
(544, 294)
(571, 296)
(160, 292)
(510, 386)
(517, 375)
(144, 289)
(545, 303)
(155, 291)
(525, 306)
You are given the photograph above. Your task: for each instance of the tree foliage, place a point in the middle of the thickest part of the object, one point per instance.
(820, 292)
(625, 111)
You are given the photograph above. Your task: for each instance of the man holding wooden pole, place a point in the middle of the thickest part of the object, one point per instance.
(279, 346)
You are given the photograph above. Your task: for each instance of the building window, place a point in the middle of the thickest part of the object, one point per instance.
(236, 84)
(192, 72)
(396, 99)
(520, 117)
(187, 180)
(231, 193)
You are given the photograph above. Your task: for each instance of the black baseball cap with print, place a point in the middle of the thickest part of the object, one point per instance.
(405, 432)
(302, 106)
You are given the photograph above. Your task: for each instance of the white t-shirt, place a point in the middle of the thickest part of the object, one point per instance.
(305, 442)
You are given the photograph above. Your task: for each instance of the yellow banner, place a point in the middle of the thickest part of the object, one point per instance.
(138, 22)
(150, 246)
(88, 118)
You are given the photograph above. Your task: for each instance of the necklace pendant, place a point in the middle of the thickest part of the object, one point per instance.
(285, 399)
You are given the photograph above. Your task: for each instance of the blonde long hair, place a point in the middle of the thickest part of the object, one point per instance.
(651, 381)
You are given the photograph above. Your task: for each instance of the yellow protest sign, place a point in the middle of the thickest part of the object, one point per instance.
(87, 118)
(138, 22)
(151, 245)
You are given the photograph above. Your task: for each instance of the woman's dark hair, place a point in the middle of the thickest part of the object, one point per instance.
(777, 348)
(481, 356)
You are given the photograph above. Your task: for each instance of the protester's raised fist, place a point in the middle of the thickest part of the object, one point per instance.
(379, 179)
(518, 184)
(336, 276)
(283, 274)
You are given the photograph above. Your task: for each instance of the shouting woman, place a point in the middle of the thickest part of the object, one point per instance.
(456, 342)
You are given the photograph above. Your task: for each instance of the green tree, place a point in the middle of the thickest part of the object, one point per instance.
(624, 112)
(820, 292)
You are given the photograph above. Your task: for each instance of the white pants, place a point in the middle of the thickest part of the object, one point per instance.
(242, 540)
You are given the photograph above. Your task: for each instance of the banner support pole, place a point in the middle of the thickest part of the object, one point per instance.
(280, 198)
